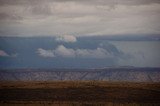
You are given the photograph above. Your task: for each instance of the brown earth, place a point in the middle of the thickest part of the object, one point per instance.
(75, 93)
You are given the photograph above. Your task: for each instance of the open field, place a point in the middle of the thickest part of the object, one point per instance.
(73, 93)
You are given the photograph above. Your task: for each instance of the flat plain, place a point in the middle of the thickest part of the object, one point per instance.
(79, 93)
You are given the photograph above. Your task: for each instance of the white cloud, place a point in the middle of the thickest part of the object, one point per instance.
(3, 54)
(95, 53)
(62, 51)
(45, 53)
(66, 38)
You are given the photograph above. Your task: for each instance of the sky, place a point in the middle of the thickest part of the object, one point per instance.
(72, 33)
(76, 52)
(30, 18)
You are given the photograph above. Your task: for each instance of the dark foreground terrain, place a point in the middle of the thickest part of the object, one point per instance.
(75, 93)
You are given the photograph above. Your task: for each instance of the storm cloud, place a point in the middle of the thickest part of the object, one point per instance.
(79, 17)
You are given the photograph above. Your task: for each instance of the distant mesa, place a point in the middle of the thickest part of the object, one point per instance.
(123, 73)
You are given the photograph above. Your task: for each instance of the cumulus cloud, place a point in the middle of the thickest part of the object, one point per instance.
(45, 53)
(79, 17)
(3, 54)
(66, 38)
(62, 51)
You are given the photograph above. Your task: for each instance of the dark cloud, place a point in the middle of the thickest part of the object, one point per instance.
(79, 17)
(41, 10)
(5, 16)
(22, 2)
(92, 2)
(124, 2)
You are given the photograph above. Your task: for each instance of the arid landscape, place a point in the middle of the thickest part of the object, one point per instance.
(113, 74)
(81, 93)
(79, 52)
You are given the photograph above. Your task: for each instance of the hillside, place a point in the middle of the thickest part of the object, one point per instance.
(130, 74)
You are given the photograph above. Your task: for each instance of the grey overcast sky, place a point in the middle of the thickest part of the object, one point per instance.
(26, 18)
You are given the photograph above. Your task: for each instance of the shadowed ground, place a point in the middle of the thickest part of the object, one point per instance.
(80, 92)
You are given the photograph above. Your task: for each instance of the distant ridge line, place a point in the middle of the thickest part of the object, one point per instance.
(107, 74)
